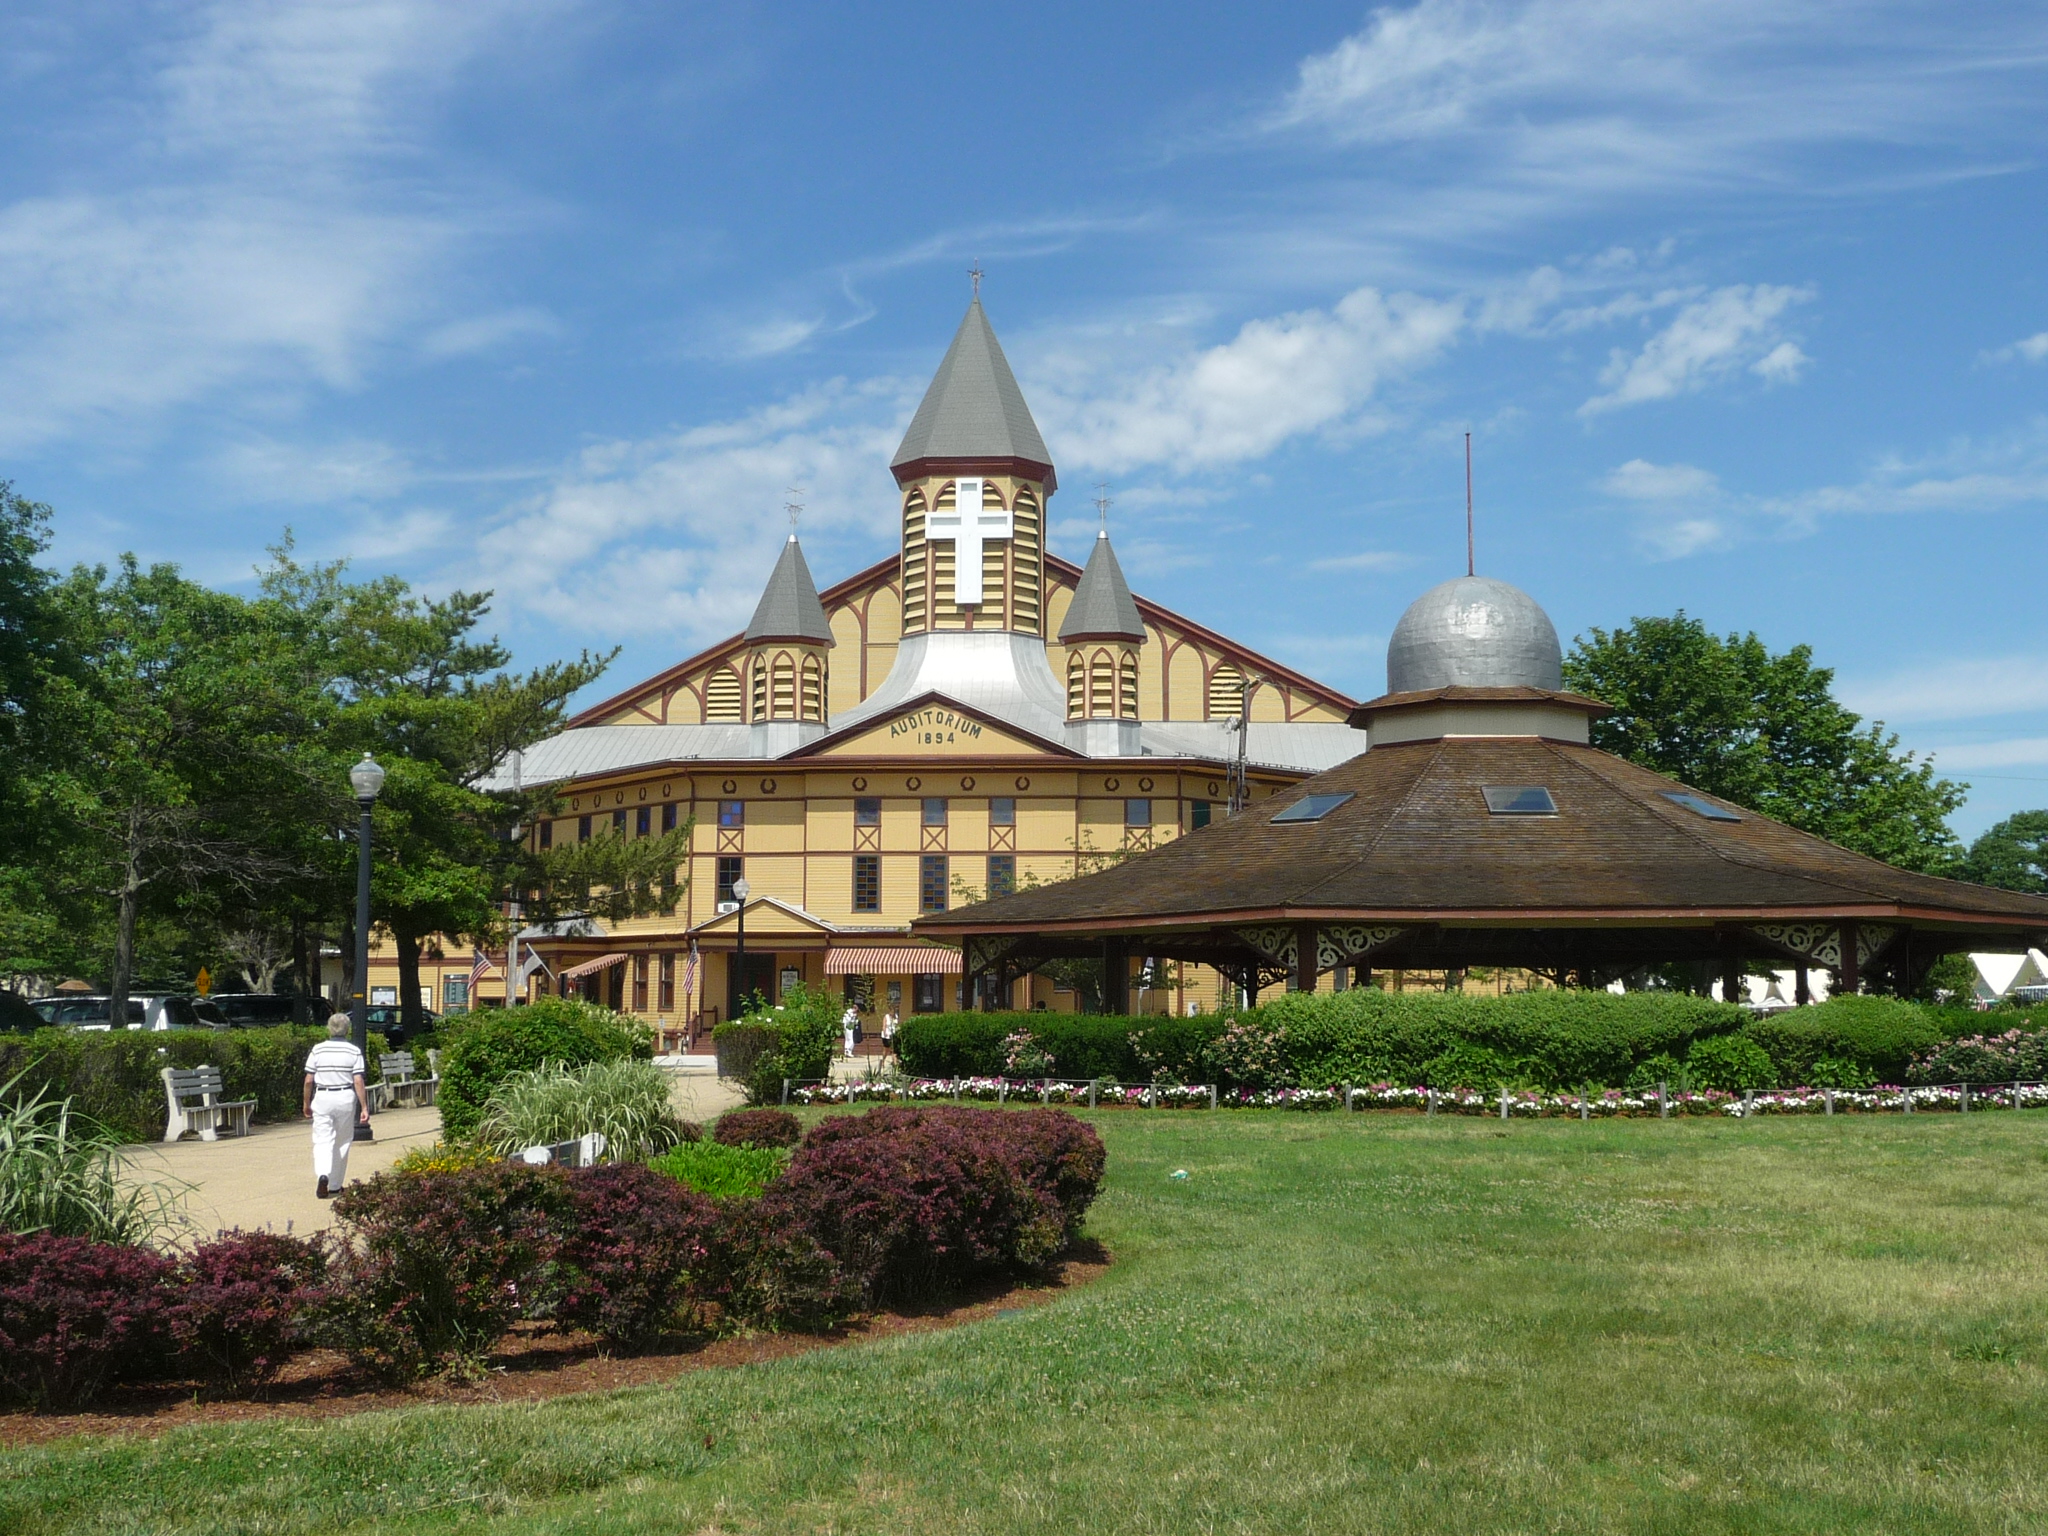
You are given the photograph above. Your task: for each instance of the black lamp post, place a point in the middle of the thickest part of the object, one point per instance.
(740, 891)
(367, 778)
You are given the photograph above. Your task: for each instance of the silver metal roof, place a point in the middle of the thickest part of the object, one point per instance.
(1102, 603)
(1001, 675)
(973, 409)
(1474, 632)
(789, 609)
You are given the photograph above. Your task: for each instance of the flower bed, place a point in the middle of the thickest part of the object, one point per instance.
(1525, 1104)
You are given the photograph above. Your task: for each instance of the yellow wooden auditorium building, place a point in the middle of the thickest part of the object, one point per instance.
(970, 713)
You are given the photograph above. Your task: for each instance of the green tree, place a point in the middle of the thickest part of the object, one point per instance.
(1725, 715)
(2013, 855)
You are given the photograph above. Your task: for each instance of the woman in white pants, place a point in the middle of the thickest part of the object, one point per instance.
(333, 1099)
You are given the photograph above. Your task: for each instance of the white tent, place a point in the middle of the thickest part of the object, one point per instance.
(2000, 975)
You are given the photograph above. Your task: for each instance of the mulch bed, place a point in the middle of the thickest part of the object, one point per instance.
(530, 1365)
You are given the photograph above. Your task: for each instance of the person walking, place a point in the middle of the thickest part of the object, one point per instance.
(888, 1034)
(333, 1100)
(849, 1026)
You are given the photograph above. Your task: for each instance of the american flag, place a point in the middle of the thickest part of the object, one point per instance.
(477, 967)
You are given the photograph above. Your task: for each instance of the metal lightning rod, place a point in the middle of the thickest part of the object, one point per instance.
(1470, 570)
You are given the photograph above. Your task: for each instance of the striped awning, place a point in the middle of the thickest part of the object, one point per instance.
(591, 967)
(893, 960)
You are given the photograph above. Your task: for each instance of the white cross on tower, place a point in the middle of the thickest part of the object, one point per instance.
(968, 525)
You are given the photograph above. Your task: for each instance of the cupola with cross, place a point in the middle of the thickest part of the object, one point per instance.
(974, 475)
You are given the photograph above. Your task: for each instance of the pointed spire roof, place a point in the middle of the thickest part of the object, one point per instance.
(973, 409)
(1103, 608)
(789, 609)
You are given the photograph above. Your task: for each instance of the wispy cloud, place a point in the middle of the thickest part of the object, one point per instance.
(486, 333)
(2032, 349)
(1710, 338)
(1966, 688)
(1365, 560)
(1678, 507)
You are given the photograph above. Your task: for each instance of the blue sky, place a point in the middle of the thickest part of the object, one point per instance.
(1745, 306)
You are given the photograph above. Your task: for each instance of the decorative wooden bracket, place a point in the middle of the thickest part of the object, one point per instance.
(1821, 943)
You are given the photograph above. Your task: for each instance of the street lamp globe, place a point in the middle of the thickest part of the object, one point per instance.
(368, 778)
(741, 890)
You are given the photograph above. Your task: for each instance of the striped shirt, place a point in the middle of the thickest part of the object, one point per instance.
(334, 1064)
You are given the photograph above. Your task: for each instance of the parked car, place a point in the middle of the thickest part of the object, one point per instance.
(144, 1012)
(388, 1019)
(259, 1010)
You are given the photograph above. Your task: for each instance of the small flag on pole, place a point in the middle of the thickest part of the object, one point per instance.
(477, 967)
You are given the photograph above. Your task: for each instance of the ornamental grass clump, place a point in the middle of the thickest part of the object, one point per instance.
(626, 1102)
(491, 1046)
(722, 1172)
(60, 1173)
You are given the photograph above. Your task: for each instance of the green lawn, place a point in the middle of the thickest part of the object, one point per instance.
(1335, 1324)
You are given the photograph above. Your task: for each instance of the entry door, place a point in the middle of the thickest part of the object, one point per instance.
(760, 977)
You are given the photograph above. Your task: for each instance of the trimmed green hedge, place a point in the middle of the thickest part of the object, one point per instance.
(1879, 1034)
(491, 1044)
(115, 1076)
(1082, 1046)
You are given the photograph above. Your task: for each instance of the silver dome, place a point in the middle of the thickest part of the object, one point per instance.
(1474, 632)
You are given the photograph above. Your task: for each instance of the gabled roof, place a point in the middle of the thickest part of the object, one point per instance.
(973, 409)
(1103, 608)
(789, 609)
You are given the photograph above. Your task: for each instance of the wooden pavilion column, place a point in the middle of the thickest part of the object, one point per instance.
(1802, 988)
(1304, 977)
(1850, 978)
(1116, 977)
(1731, 971)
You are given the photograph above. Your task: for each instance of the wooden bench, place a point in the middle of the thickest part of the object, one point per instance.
(399, 1084)
(193, 1095)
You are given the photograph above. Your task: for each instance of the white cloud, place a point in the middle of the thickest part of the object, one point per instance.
(1278, 379)
(1679, 508)
(262, 238)
(2032, 350)
(1555, 102)
(1709, 338)
(484, 333)
(1365, 560)
(1963, 689)
(2021, 752)
(1640, 480)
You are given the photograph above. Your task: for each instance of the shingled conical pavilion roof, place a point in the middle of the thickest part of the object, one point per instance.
(1103, 608)
(973, 409)
(789, 609)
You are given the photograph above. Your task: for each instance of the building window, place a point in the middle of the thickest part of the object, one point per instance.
(668, 817)
(1002, 811)
(732, 814)
(1226, 692)
(643, 821)
(582, 829)
(722, 695)
(547, 834)
(935, 810)
(730, 868)
(454, 994)
(867, 811)
(668, 981)
(619, 822)
(1137, 813)
(1002, 873)
(1198, 813)
(931, 882)
(930, 995)
(867, 882)
(640, 983)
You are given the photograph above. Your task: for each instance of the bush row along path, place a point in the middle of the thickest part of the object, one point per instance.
(265, 1179)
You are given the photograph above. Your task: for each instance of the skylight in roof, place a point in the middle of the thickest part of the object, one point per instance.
(1519, 800)
(1312, 807)
(1701, 806)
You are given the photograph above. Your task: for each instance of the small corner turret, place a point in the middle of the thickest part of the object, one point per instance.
(787, 671)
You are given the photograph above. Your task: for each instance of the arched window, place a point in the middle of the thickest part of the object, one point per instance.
(1226, 692)
(1077, 686)
(813, 707)
(914, 563)
(1127, 689)
(1025, 574)
(757, 671)
(1102, 686)
(784, 679)
(722, 696)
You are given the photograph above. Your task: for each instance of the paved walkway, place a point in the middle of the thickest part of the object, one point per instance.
(265, 1179)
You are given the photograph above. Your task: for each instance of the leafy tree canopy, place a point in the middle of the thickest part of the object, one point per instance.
(1725, 715)
(2013, 855)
